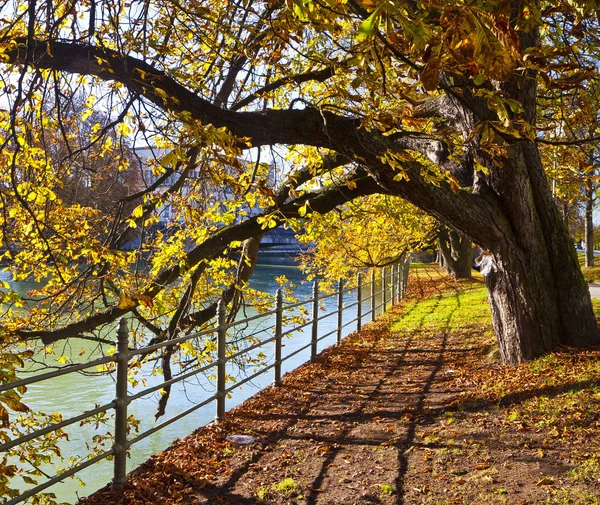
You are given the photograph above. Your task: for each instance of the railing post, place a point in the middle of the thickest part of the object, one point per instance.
(373, 297)
(398, 283)
(340, 310)
(393, 283)
(401, 279)
(315, 319)
(221, 362)
(384, 289)
(278, 331)
(359, 302)
(404, 276)
(121, 401)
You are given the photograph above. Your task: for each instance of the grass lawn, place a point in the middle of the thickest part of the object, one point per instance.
(591, 274)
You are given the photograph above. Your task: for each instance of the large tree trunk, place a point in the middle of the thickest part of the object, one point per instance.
(589, 224)
(455, 249)
(538, 296)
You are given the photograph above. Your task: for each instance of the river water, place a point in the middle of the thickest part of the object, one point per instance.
(75, 393)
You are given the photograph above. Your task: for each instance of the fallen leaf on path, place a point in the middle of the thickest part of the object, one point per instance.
(546, 481)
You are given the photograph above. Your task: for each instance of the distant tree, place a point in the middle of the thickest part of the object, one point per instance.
(374, 231)
(99, 173)
(456, 251)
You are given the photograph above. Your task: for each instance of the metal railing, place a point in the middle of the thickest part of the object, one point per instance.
(390, 289)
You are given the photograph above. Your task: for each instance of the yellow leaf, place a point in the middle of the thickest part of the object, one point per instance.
(369, 26)
(546, 481)
(16, 405)
(302, 210)
(494, 59)
(126, 302)
(3, 417)
(146, 301)
(138, 211)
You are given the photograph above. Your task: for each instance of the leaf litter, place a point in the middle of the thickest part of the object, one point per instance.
(414, 409)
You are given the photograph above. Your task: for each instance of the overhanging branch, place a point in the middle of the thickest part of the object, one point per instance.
(322, 202)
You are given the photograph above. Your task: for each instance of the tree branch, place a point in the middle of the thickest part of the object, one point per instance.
(315, 75)
(322, 201)
(270, 127)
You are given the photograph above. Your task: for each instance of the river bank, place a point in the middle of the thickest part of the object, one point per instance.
(74, 393)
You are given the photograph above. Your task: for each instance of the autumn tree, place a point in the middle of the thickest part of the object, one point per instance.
(95, 174)
(571, 157)
(433, 102)
(456, 251)
(370, 232)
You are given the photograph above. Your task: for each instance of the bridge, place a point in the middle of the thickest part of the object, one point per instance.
(280, 242)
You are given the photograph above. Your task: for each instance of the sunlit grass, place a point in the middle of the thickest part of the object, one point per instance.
(591, 274)
(558, 393)
(448, 306)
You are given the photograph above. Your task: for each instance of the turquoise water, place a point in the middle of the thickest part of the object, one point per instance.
(75, 393)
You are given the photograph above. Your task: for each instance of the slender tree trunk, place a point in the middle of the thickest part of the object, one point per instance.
(455, 249)
(565, 213)
(589, 224)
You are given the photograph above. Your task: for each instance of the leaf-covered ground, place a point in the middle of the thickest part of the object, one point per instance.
(413, 410)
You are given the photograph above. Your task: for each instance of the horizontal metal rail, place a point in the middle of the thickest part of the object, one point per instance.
(249, 378)
(392, 286)
(329, 314)
(296, 328)
(174, 380)
(249, 319)
(330, 295)
(58, 478)
(250, 348)
(167, 343)
(350, 322)
(297, 351)
(57, 426)
(57, 373)
(323, 337)
(160, 426)
(249, 336)
(346, 307)
(298, 304)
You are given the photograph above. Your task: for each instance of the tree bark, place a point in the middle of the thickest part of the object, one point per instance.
(455, 249)
(538, 296)
(589, 224)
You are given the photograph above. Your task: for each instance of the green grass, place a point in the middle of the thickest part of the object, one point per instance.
(591, 274)
(286, 487)
(417, 265)
(460, 308)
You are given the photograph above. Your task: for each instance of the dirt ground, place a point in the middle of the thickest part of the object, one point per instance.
(385, 418)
